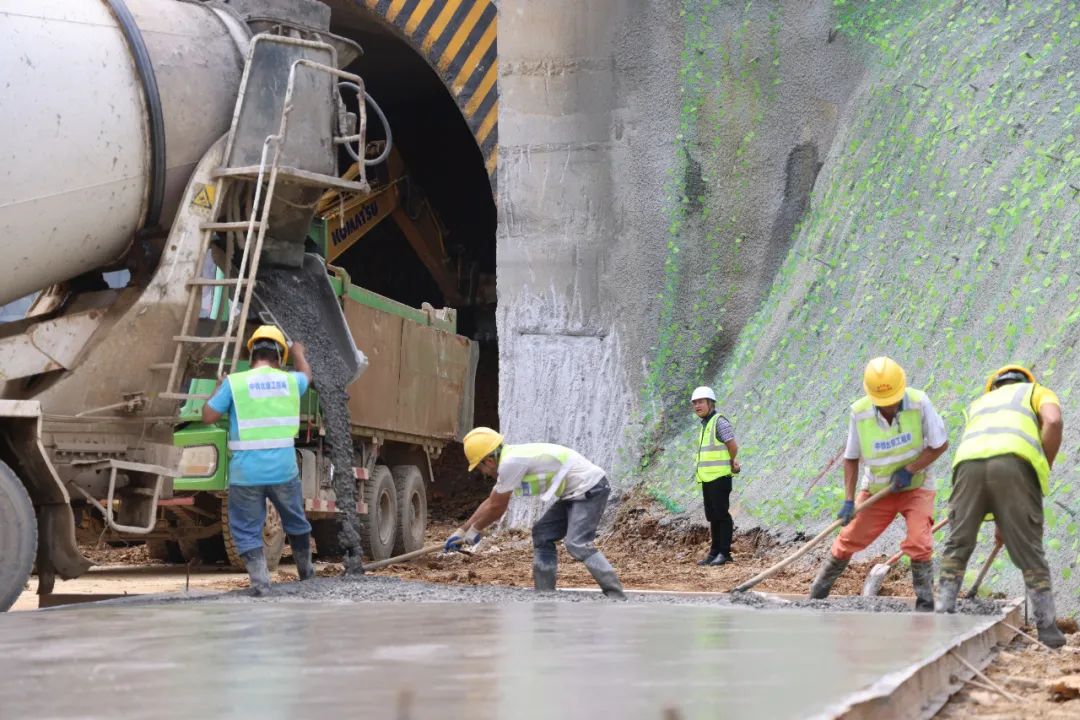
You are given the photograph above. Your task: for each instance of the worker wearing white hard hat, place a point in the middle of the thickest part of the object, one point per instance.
(715, 457)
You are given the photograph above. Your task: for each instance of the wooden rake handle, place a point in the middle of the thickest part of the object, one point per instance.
(765, 575)
(985, 569)
(896, 558)
(379, 564)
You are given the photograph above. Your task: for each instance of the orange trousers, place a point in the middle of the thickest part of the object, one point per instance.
(917, 507)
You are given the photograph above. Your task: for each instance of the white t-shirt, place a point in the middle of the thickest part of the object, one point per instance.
(580, 476)
(933, 432)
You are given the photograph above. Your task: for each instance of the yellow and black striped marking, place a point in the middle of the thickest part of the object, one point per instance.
(458, 38)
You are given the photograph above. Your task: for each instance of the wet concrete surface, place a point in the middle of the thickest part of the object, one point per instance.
(582, 658)
(379, 588)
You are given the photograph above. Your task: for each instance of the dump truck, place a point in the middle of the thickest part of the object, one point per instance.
(163, 151)
(416, 396)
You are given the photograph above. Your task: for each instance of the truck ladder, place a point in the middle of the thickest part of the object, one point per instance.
(242, 286)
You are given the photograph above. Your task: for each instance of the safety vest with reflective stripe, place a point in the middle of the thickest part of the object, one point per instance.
(1002, 422)
(267, 406)
(713, 458)
(535, 484)
(886, 450)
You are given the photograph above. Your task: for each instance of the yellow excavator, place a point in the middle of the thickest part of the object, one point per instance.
(349, 216)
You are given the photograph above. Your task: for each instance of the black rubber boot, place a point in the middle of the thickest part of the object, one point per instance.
(545, 566)
(922, 579)
(707, 560)
(830, 571)
(301, 552)
(1042, 604)
(605, 576)
(720, 559)
(948, 589)
(255, 562)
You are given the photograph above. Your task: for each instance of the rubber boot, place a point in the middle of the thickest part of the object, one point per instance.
(823, 583)
(605, 576)
(545, 566)
(707, 560)
(301, 552)
(922, 579)
(947, 590)
(255, 562)
(1042, 602)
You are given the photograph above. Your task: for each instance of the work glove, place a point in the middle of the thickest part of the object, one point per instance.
(847, 511)
(901, 479)
(460, 538)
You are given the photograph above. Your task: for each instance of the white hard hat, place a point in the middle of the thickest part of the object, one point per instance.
(703, 392)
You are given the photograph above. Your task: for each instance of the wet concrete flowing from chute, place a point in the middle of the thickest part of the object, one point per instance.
(294, 299)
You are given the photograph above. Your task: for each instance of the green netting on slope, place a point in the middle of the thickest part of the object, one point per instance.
(942, 232)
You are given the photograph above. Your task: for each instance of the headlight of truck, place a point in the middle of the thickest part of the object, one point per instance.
(199, 461)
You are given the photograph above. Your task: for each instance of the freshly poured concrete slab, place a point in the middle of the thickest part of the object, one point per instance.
(440, 660)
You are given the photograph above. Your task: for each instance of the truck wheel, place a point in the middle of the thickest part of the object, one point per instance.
(273, 537)
(18, 536)
(378, 528)
(412, 509)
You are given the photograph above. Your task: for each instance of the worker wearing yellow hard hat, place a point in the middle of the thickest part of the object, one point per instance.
(550, 472)
(896, 433)
(263, 405)
(1002, 467)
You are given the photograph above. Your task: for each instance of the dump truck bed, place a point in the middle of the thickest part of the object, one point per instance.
(421, 373)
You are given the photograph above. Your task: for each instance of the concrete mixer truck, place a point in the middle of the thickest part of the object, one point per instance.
(154, 155)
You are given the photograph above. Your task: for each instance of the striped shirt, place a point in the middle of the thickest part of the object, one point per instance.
(724, 430)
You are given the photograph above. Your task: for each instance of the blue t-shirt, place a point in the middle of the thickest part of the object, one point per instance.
(256, 467)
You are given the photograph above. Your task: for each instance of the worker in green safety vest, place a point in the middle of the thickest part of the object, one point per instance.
(896, 433)
(715, 453)
(1002, 468)
(263, 405)
(547, 471)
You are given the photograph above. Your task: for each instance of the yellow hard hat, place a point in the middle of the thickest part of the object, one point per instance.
(479, 443)
(1008, 369)
(270, 332)
(884, 381)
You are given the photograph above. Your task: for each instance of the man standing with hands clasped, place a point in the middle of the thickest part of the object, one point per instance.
(715, 453)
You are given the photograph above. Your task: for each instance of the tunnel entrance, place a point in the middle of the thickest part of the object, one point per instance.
(445, 168)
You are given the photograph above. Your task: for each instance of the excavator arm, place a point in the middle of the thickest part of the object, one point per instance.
(350, 217)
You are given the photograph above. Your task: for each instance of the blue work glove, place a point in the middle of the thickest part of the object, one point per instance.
(847, 511)
(901, 479)
(460, 538)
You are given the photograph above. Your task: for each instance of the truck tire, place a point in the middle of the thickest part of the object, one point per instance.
(378, 528)
(18, 536)
(412, 509)
(273, 537)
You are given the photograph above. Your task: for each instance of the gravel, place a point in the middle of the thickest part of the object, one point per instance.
(369, 588)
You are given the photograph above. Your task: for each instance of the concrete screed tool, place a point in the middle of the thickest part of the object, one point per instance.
(877, 574)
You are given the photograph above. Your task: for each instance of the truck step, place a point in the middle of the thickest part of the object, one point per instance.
(294, 176)
(227, 226)
(182, 396)
(203, 340)
(216, 282)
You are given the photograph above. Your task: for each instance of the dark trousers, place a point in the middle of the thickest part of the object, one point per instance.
(573, 520)
(717, 496)
(1008, 487)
